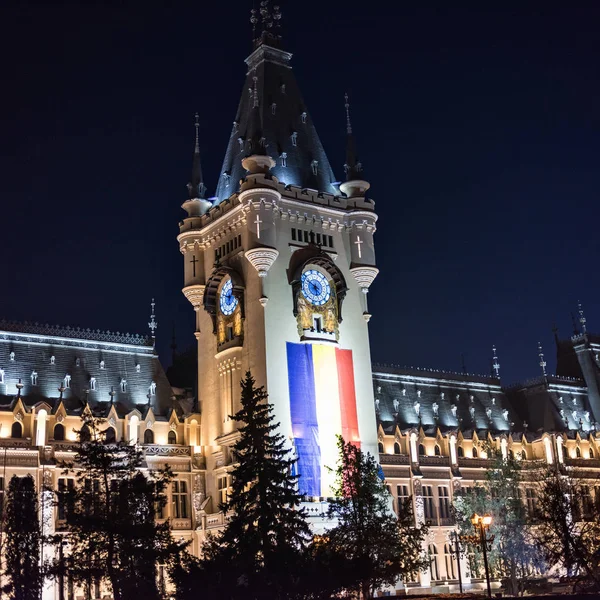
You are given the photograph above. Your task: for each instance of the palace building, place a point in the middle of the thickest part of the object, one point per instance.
(277, 268)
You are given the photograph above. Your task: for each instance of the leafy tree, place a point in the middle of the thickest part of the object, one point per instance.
(110, 514)
(261, 550)
(23, 537)
(513, 556)
(378, 547)
(568, 526)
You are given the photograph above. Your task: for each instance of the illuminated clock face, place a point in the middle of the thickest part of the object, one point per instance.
(315, 287)
(228, 302)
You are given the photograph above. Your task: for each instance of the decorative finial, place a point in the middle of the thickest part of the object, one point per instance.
(19, 387)
(112, 393)
(197, 126)
(542, 361)
(348, 124)
(196, 187)
(153, 324)
(495, 363)
(582, 319)
(61, 390)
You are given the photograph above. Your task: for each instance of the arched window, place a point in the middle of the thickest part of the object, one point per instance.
(110, 436)
(591, 452)
(434, 570)
(172, 437)
(133, 429)
(511, 455)
(523, 454)
(396, 448)
(59, 432)
(438, 450)
(148, 436)
(380, 447)
(461, 452)
(475, 453)
(421, 450)
(84, 433)
(578, 452)
(449, 560)
(16, 430)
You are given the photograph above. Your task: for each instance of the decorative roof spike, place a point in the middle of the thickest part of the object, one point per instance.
(348, 123)
(196, 187)
(270, 21)
(582, 319)
(153, 324)
(542, 361)
(495, 363)
(353, 166)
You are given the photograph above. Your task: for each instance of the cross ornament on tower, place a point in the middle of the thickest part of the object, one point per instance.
(153, 324)
(193, 261)
(359, 243)
(257, 223)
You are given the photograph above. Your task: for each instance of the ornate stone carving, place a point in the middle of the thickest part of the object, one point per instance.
(364, 276)
(173, 426)
(19, 416)
(60, 418)
(195, 295)
(262, 259)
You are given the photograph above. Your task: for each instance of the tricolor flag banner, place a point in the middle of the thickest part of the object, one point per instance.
(322, 405)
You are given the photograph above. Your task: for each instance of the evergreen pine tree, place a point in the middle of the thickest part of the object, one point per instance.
(378, 547)
(23, 536)
(111, 526)
(259, 553)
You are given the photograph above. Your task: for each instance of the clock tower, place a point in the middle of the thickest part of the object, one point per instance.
(277, 267)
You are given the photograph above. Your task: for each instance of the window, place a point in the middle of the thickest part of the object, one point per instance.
(34, 378)
(92, 384)
(123, 385)
(12, 357)
(110, 436)
(475, 453)
(294, 137)
(403, 494)
(16, 430)
(531, 502)
(315, 167)
(449, 560)
(421, 450)
(284, 159)
(77, 362)
(428, 504)
(102, 364)
(438, 450)
(380, 447)
(591, 452)
(293, 234)
(523, 454)
(1, 496)
(578, 452)
(222, 485)
(461, 452)
(1, 375)
(66, 486)
(53, 360)
(172, 437)
(179, 500)
(40, 433)
(444, 502)
(317, 324)
(67, 381)
(433, 563)
(59, 432)
(85, 435)
(148, 436)
(396, 448)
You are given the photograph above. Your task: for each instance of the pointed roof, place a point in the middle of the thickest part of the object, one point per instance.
(196, 187)
(272, 119)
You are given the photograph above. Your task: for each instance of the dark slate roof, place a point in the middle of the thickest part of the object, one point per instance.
(270, 111)
(78, 353)
(479, 400)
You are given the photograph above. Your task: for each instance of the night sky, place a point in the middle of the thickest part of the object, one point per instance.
(477, 124)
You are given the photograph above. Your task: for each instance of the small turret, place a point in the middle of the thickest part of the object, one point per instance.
(354, 185)
(196, 204)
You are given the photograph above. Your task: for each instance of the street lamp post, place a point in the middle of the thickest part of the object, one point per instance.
(455, 539)
(482, 525)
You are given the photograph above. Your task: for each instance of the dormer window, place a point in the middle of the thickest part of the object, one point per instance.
(92, 384)
(283, 88)
(67, 381)
(34, 378)
(284, 159)
(77, 362)
(123, 385)
(53, 360)
(294, 137)
(12, 357)
(315, 166)
(138, 368)
(1, 375)
(303, 117)
(153, 388)
(273, 108)
(102, 364)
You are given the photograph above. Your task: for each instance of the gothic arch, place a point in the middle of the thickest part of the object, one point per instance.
(312, 255)
(211, 291)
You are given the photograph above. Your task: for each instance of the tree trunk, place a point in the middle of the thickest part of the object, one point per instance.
(366, 590)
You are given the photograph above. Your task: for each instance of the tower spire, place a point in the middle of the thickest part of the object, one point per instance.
(196, 187)
(153, 324)
(542, 361)
(582, 319)
(495, 363)
(352, 167)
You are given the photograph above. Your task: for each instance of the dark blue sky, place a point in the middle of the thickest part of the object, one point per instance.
(478, 126)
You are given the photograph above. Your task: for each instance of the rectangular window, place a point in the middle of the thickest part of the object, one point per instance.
(65, 491)
(317, 324)
(293, 234)
(429, 504)
(444, 502)
(222, 489)
(330, 242)
(403, 496)
(319, 238)
(179, 500)
(1, 497)
(306, 236)
(240, 240)
(531, 501)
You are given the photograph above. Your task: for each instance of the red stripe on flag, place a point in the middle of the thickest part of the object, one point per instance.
(345, 369)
